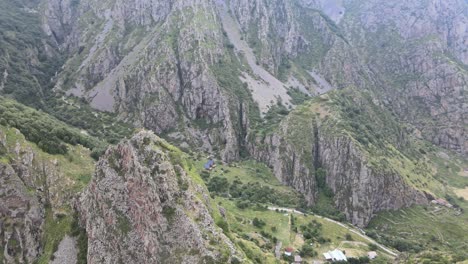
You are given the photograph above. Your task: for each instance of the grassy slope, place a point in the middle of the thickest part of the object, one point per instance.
(430, 229)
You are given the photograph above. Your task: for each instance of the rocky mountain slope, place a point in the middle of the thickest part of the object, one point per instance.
(233, 79)
(142, 189)
(144, 204)
(151, 62)
(37, 188)
(413, 56)
(361, 159)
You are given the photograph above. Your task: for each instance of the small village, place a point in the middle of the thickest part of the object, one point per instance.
(333, 256)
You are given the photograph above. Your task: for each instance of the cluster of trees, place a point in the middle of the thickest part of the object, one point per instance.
(51, 135)
(360, 260)
(297, 97)
(251, 193)
(78, 113)
(313, 232)
(23, 54)
(398, 243)
(259, 223)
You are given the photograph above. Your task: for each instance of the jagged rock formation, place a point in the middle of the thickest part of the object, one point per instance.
(363, 179)
(21, 219)
(417, 52)
(144, 206)
(150, 62)
(417, 65)
(413, 54)
(31, 183)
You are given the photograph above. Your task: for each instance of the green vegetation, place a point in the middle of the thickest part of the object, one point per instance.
(249, 183)
(297, 97)
(272, 119)
(325, 204)
(51, 135)
(124, 225)
(257, 231)
(81, 240)
(426, 232)
(77, 113)
(23, 53)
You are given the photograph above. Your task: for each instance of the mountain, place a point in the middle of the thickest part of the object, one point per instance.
(145, 204)
(357, 107)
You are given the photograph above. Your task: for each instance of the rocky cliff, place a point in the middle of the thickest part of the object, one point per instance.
(36, 193)
(417, 52)
(146, 205)
(415, 63)
(364, 175)
(21, 219)
(412, 54)
(151, 62)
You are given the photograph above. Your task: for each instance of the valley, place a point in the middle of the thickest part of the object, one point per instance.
(233, 131)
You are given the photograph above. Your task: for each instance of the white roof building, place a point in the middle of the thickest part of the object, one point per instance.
(335, 255)
(372, 254)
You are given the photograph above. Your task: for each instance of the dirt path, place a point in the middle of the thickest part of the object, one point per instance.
(67, 252)
(278, 247)
(387, 250)
(265, 87)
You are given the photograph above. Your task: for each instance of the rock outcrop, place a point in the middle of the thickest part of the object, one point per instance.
(363, 183)
(21, 219)
(412, 54)
(33, 186)
(150, 62)
(144, 205)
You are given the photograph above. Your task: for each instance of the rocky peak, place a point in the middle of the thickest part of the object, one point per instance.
(145, 205)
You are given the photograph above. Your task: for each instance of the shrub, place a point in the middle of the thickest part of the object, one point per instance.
(258, 223)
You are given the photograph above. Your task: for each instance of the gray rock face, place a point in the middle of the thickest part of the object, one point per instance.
(149, 61)
(360, 190)
(21, 209)
(417, 52)
(67, 252)
(303, 143)
(142, 206)
(21, 219)
(34, 185)
(413, 54)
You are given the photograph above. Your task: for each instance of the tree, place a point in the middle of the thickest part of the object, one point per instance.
(258, 222)
(373, 247)
(307, 251)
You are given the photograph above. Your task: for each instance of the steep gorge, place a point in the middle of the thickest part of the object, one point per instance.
(170, 67)
(363, 172)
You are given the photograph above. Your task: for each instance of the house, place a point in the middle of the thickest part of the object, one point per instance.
(288, 251)
(335, 255)
(371, 254)
(210, 164)
(297, 259)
